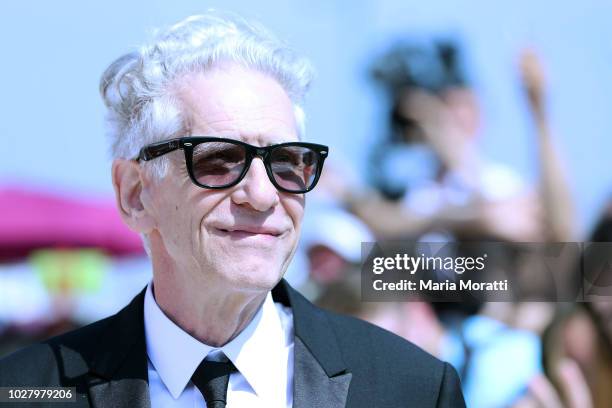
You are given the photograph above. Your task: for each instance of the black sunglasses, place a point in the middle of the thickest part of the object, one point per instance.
(216, 163)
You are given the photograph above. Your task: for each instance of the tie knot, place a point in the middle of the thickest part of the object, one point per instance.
(212, 378)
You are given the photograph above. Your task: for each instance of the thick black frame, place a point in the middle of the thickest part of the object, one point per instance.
(188, 143)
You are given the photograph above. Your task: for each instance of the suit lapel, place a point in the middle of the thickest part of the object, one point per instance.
(312, 387)
(320, 378)
(118, 370)
(118, 361)
(124, 393)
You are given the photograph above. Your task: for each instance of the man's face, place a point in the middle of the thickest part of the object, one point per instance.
(244, 236)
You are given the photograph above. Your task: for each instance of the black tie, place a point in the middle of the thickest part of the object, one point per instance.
(211, 378)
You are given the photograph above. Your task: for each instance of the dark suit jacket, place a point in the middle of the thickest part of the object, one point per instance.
(338, 362)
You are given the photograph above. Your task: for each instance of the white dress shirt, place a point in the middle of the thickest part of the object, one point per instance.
(262, 353)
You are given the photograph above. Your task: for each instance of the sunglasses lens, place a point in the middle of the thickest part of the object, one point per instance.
(294, 167)
(217, 164)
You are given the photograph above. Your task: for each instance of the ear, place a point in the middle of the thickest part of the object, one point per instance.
(128, 185)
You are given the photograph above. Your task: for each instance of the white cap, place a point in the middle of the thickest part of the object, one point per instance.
(337, 229)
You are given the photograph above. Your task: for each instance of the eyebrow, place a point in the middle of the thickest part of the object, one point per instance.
(275, 139)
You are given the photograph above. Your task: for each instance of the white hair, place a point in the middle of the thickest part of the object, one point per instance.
(136, 88)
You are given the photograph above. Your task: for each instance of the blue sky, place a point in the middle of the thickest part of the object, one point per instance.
(54, 52)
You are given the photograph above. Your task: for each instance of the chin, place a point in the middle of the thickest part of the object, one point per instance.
(251, 268)
(256, 278)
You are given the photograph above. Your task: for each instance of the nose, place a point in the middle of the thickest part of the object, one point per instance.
(256, 189)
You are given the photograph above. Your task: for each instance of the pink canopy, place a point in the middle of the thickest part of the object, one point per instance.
(32, 220)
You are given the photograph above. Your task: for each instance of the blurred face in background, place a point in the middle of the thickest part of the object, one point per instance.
(244, 236)
(437, 131)
(424, 114)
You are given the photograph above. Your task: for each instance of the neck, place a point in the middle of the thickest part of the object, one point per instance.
(210, 311)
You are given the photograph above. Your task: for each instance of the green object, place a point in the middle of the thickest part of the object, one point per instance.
(70, 271)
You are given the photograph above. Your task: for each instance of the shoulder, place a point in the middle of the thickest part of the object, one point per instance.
(392, 368)
(359, 338)
(71, 355)
(363, 346)
(41, 363)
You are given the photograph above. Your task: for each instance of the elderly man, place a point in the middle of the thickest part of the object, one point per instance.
(209, 167)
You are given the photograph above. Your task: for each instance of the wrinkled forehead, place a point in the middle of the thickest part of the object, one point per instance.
(236, 102)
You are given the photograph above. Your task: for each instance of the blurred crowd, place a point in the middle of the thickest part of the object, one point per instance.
(430, 182)
(427, 180)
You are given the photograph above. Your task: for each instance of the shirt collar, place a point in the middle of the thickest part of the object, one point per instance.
(175, 354)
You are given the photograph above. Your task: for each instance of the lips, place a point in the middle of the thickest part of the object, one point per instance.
(239, 231)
